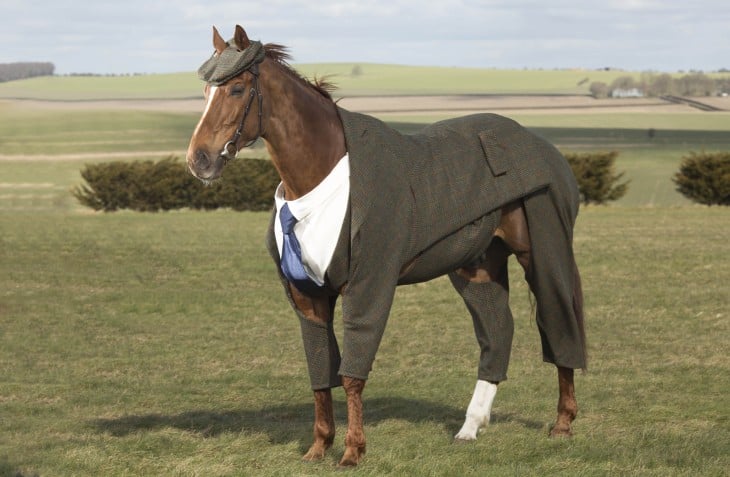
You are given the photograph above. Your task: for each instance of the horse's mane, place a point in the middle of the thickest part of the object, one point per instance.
(280, 54)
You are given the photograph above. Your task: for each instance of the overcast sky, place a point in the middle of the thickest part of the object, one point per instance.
(155, 36)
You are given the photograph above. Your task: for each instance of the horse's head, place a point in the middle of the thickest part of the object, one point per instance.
(232, 96)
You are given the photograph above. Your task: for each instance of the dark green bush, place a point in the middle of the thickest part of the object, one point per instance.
(705, 178)
(598, 182)
(148, 186)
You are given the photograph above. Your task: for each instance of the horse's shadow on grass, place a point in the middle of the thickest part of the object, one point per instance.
(292, 422)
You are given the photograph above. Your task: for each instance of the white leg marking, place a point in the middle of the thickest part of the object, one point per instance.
(478, 412)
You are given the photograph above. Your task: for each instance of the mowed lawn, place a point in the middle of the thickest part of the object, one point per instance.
(161, 344)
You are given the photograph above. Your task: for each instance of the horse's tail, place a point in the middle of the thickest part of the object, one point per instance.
(578, 310)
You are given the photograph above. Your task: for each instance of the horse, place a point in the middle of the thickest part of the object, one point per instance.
(362, 209)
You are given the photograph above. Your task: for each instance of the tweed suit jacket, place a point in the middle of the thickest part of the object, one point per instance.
(409, 195)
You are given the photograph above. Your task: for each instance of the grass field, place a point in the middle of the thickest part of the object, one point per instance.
(42, 147)
(373, 80)
(161, 344)
(79, 88)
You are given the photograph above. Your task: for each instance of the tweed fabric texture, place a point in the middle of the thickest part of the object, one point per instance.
(551, 274)
(322, 353)
(410, 192)
(427, 204)
(231, 62)
(488, 304)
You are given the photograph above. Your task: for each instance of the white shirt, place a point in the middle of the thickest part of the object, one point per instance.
(319, 215)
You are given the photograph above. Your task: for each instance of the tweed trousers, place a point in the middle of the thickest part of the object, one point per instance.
(422, 206)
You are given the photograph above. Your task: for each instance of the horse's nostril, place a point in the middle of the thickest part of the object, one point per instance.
(201, 160)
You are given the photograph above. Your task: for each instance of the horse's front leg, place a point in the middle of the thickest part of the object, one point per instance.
(324, 425)
(319, 310)
(567, 405)
(355, 438)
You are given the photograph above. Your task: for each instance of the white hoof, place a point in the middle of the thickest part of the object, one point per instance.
(478, 412)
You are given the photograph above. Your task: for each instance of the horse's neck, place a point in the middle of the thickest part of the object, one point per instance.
(303, 132)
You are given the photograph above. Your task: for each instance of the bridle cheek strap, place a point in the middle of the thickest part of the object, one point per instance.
(230, 149)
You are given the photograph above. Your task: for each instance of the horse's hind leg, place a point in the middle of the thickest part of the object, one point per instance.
(567, 405)
(485, 290)
(554, 279)
(478, 412)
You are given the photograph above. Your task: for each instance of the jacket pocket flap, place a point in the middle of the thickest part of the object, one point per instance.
(496, 157)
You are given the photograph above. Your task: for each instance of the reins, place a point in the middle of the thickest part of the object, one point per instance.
(230, 149)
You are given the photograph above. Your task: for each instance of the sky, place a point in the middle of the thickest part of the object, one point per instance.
(156, 36)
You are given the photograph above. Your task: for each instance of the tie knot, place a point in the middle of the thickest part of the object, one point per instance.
(287, 219)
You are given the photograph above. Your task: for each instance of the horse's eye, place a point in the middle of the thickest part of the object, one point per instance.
(237, 90)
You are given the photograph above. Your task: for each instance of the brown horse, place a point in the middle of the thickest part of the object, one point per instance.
(398, 227)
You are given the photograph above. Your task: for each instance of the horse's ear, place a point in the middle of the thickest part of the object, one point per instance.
(218, 42)
(241, 38)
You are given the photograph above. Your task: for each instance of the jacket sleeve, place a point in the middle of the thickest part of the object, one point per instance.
(320, 343)
(366, 303)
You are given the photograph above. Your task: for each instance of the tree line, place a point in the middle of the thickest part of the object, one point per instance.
(16, 71)
(661, 84)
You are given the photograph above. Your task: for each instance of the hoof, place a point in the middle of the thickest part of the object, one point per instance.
(352, 457)
(469, 431)
(460, 441)
(561, 432)
(314, 454)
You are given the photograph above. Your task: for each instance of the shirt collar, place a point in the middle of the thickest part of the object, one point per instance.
(311, 201)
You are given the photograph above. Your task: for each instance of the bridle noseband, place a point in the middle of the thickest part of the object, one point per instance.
(230, 149)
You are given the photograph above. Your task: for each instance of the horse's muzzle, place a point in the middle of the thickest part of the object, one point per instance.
(204, 168)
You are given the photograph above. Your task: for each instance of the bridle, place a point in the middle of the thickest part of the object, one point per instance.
(230, 149)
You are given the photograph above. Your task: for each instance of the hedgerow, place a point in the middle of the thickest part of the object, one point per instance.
(150, 186)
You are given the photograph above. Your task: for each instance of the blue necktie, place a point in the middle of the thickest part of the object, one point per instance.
(291, 255)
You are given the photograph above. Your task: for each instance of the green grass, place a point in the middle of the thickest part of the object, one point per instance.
(79, 88)
(374, 79)
(33, 132)
(161, 344)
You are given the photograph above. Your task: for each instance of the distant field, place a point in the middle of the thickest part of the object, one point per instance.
(178, 85)
(86, 119)
(57, 132)
(373, 80)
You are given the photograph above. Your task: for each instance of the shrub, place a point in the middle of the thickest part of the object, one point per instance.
(597, 181)
(705, 178)
(149, 186)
